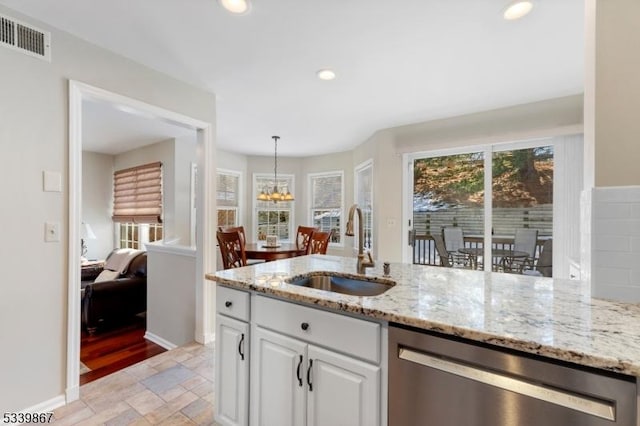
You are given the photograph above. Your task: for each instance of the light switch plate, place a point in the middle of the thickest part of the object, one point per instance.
(52, 232)
(52, 181)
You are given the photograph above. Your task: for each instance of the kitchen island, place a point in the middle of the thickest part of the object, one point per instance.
(555, 319)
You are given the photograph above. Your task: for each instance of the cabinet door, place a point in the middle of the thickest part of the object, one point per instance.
(278, 379)
(344, 391)
(232, 371)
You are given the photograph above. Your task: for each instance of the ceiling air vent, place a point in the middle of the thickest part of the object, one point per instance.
(25, 38)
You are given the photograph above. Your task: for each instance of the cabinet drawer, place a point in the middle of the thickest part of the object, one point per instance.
(233, 303)
(345, 334)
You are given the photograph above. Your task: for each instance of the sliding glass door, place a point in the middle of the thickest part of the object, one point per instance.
(449, 190)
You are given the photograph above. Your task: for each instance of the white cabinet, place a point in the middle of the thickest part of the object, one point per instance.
(232, 364)
(278, 381)
(296, 383)
(345, 391)
(307, 366)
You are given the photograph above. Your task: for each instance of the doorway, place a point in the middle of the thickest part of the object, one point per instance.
(78, 94)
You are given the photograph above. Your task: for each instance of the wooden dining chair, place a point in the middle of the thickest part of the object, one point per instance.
(239, 229)
(303, 236)
(232, 249)
(319, 242)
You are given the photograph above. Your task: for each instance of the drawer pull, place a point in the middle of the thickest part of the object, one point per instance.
(228, 304)
(241, 347)
(304, 326)
(298, 372)
(309, 375)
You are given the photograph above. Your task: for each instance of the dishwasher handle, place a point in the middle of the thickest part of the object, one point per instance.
(594, 407)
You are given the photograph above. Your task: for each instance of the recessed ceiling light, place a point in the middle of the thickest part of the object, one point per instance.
(517, 9)
(237, 7)
(326, 74)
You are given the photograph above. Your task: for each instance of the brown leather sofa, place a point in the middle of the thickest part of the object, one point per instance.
(116, 302)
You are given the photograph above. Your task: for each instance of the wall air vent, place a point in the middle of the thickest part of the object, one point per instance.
(25, 38)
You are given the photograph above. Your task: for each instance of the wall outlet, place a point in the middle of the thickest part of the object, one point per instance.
(52, 232)
(391, 223)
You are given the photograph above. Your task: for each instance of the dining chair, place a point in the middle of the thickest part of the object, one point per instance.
(243, 237)
(231, 249)
(239, 229)
(525, 240)
(454, 241)
(319, 242)
(303, 236)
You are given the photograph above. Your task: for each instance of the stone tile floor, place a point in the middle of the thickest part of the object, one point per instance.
(173, 388)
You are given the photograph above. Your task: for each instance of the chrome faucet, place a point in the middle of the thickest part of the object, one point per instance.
(362, 264)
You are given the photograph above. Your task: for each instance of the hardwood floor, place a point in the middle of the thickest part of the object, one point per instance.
(113, 350)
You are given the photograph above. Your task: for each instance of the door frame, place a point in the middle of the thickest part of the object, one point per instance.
(205, 245)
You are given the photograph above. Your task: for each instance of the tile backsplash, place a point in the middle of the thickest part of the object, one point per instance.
(615, 243)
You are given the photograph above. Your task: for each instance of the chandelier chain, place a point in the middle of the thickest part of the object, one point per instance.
(275, 162)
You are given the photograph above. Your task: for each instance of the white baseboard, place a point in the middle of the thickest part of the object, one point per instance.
(72, 393)
(46, 406)
(159, 341)
(206, 338)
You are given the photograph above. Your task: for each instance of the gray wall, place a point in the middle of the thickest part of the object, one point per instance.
(176, 156)
(34, 137)
(97, 202)
(171, 296)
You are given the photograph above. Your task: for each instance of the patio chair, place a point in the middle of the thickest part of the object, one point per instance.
(544, 265)
(525, 240)
(443, 254)
(454, 241)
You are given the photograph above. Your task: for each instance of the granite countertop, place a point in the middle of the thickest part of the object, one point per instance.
(550, 317)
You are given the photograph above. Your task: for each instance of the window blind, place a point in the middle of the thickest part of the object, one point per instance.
(137, 194)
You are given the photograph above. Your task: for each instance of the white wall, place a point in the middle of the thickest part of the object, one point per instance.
(97, 202)
(34, 137)
(616, 243)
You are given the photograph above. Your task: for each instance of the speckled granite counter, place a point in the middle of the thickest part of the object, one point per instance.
(553, 318)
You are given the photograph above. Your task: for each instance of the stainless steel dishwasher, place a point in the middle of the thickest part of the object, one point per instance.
(441, 381)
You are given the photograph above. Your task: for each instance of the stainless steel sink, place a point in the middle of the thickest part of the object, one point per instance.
(344, 285)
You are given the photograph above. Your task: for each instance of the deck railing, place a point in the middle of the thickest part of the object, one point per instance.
(425, 253)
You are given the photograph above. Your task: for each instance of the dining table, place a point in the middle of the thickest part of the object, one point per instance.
(506, 256)
(261, 251)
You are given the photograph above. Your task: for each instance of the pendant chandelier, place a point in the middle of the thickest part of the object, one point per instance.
(275, 195)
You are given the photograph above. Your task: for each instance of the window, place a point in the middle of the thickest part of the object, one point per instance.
(137, 205)
(228, 197)
(135, 235)
(326, 203)
(272, 218)
(364, 199)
